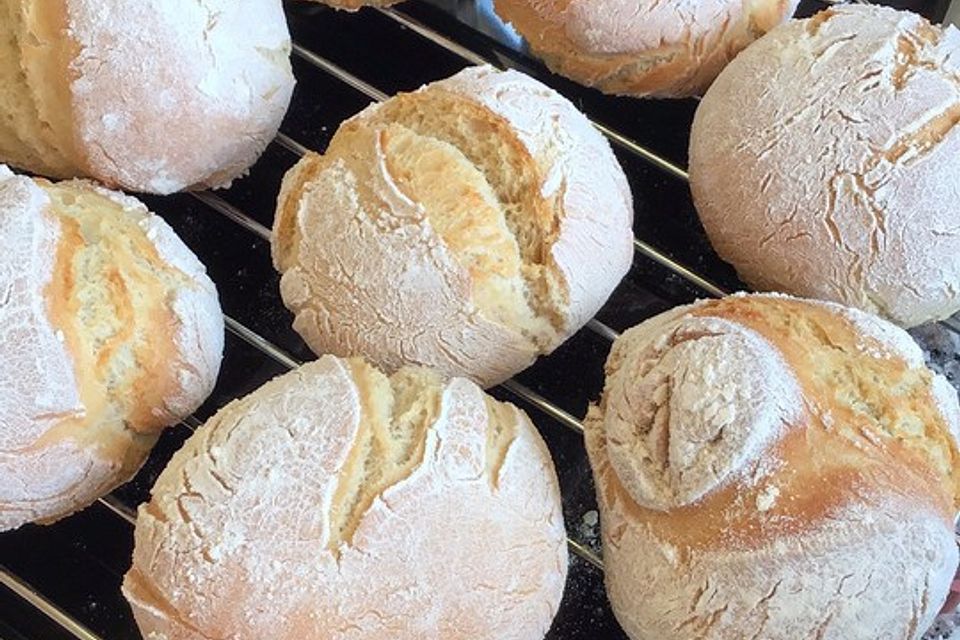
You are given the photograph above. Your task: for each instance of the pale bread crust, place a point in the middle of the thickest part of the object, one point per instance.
(48, 471)
(878, 565)
(234, 542)
(647, 48)
(365, 272)
(823, 162)
(192, 110)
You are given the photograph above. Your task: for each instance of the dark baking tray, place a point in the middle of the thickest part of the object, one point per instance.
(63, 581)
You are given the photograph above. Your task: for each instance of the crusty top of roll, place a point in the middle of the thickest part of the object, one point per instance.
(484, 206)
(646, 48)
(825, 162)
(335, 502)
(110, 331)
(150, 96)
(760, 459)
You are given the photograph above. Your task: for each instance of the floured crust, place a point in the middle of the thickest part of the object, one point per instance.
(237, 539)
(79, 419)
(647, 48)
(391, 272)
(751, 487)
(834, 176)
(194, 110)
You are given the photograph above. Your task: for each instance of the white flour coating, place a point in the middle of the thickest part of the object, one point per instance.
(876, 566)
(691, 402)
(234, 544)
(201, 109)
(47, 472)
(834, 174)
(641, 48)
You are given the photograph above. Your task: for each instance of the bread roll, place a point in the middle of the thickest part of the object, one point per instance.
(470, 226)
(825, 162)
(646, 48)
(109, 331)
(356, 5)
(154, 95)
(774, 468)
(337, 503)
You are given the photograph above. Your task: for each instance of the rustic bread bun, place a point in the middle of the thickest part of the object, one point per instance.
(109, 331)
(356, 5)
(645, 48)
(774, 468)
(825, 162)
(335, 502)
(154, 95)
(470, 226)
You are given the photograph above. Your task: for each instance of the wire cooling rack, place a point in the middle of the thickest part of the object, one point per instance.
(62, 581)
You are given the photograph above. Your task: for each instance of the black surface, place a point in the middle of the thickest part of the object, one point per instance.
(79, 563)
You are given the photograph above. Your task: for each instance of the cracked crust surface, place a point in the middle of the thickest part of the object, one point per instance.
(647, 48)
(337, 503)
(110, 331)
(774, 468)
(84, 96)
(834, 175)
(470, 226)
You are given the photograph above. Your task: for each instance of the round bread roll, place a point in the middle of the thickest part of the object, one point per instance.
(470, 226)
(774, 468)
(356, 5)
(154, 95)
(335, 502)
(646, 47)
(825, 162)
(109, 331)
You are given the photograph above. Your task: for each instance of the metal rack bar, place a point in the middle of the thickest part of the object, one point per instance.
(340, 73)
(535, 399)
(226, 209)
(291, 145)
(31, 596)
